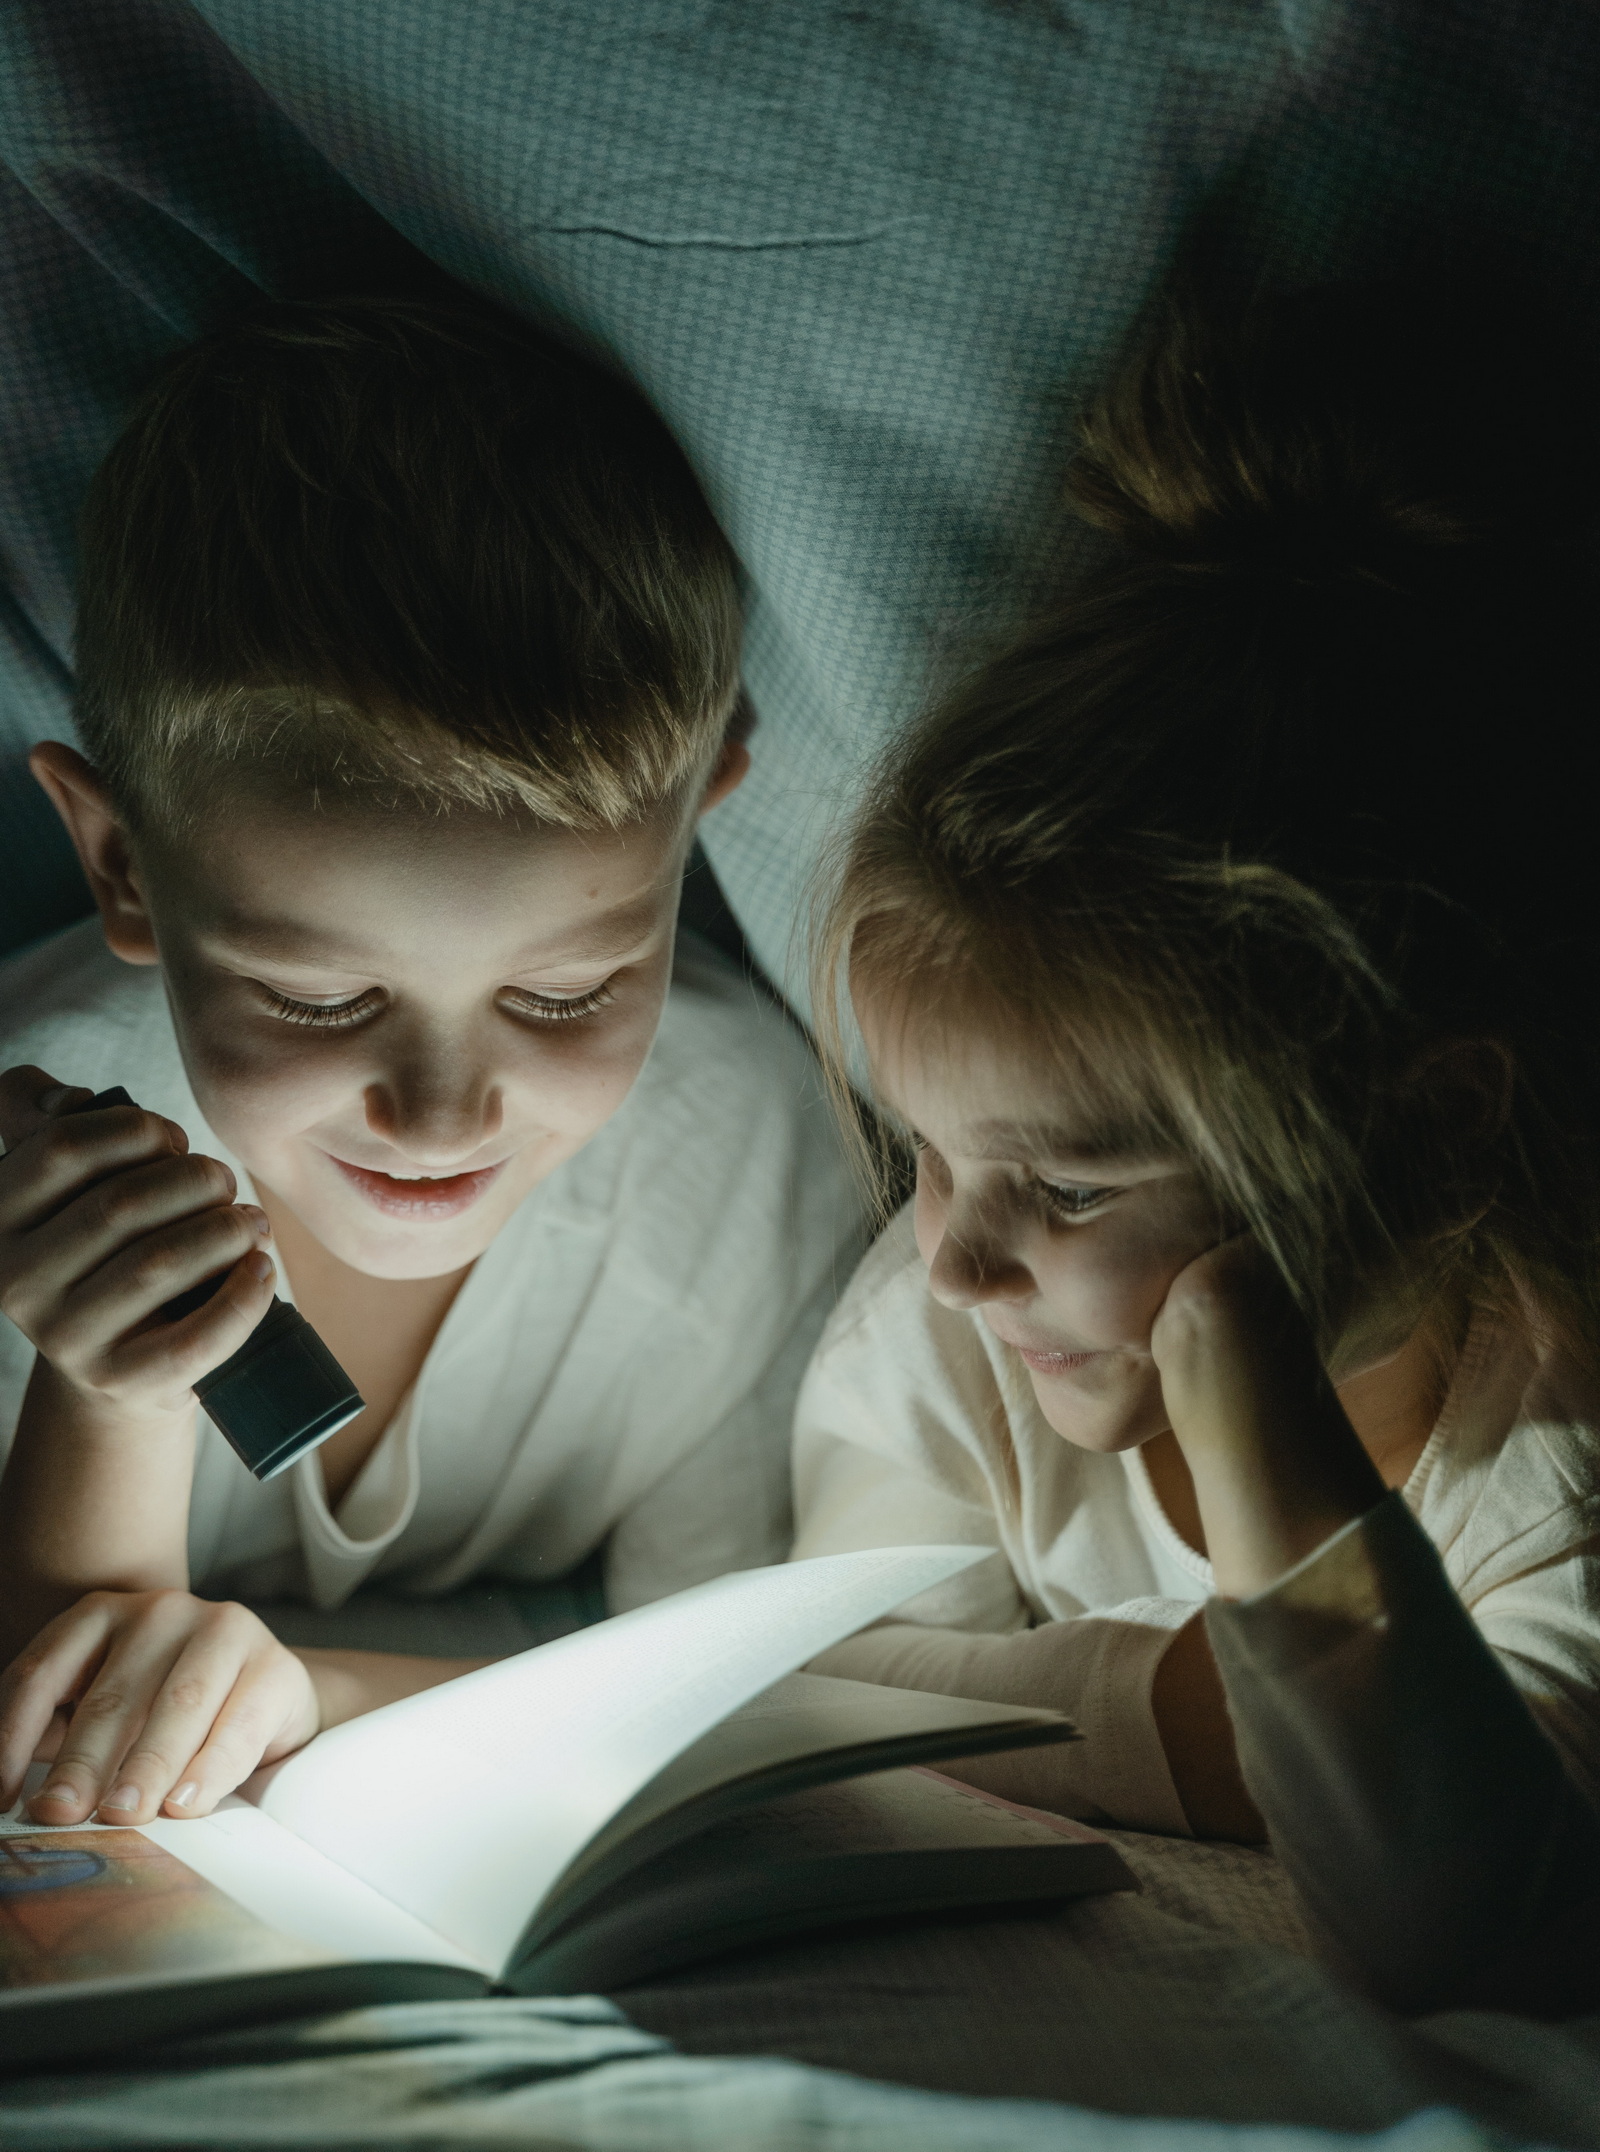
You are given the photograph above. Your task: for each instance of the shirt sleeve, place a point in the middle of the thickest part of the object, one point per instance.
(1096, 1668)
(1426, 1818)
(880, 1460)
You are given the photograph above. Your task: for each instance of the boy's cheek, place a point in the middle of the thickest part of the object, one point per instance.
(250, 1095)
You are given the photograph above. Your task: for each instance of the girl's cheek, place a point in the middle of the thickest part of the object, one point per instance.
(1108, 1282)
(928, 1215)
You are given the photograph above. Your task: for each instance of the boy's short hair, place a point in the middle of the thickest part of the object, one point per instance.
(407, 551)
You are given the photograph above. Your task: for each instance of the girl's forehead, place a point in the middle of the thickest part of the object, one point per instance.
(985, 1093)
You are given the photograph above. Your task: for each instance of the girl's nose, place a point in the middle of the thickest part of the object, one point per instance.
(970, 1268)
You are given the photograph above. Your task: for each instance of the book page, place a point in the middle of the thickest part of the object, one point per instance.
(804, 1730)
(299, 1891)
(464, 1804)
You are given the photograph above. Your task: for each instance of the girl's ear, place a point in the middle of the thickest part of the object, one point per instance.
(101, 842)
(1464, 1088)
(1468, 1082)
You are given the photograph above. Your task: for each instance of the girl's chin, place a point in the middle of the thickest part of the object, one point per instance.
(1086, 1428)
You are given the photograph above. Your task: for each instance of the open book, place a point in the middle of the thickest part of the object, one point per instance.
(642, 1793)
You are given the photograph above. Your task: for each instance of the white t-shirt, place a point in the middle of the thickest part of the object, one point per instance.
(916, 1424)
(620, 1366)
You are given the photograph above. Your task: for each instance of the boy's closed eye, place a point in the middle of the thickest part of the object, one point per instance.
(541, 1005)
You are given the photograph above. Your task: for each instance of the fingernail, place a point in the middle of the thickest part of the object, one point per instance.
(60, 1791)
(259, 1265)
(181, 1796)
(257, 1217)
(51, 1099)
(124, 1797)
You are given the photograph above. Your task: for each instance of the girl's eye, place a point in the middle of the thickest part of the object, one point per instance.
(1067, 1201)
(558, 1008)
(324, 1015)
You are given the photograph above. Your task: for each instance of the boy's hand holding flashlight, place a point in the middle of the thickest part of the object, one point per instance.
(105, 1217)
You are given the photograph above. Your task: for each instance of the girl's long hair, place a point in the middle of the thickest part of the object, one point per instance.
(1274, 843)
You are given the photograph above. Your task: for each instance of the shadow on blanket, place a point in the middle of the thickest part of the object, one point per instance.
(577, 2075)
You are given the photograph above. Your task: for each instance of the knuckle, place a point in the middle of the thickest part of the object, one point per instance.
(209, 1176)
(111, 1206)
(101, 1706)
(236, 1742)
(27, 1668)
(60, 1144)
(168, 1599)
(186, 1695)
(77, 1772)
(15, 1300)
(149, 1754)
(151, 1267)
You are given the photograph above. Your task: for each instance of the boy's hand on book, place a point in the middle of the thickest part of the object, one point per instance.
(149, 1703)
(104, 1217)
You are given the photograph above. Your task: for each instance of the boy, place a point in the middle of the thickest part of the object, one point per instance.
(408, 653)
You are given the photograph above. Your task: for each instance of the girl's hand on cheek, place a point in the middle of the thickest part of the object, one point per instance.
(1229, 1342)
(168, 1702)
(1277, 1466)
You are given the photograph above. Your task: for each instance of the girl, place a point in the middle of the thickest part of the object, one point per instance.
(1225, 950)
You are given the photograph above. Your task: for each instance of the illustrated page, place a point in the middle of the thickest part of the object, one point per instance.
(109, 1905)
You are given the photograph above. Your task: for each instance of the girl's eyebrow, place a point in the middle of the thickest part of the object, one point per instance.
(1099, 1144)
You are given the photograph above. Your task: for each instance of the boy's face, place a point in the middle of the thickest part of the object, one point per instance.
(400, 1025)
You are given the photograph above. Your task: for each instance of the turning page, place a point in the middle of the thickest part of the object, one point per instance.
(464, 1804)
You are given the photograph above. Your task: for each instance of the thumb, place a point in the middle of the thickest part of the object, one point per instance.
(29, 1099)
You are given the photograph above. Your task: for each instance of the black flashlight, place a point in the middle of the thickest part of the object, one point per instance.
(282, 1392)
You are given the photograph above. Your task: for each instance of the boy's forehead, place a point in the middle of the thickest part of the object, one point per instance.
(326, 887)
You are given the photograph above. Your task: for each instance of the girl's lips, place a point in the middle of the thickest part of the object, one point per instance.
(1053, 1363)
(418, 1200)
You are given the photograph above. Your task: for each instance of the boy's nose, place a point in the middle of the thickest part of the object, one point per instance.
(436, 1123)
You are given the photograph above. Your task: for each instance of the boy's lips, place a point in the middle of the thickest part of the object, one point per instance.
(422, 1198)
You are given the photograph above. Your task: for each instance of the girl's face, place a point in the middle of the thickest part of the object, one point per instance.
(1062, 1237)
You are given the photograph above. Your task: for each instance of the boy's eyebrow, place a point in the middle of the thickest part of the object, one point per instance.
(609, 933)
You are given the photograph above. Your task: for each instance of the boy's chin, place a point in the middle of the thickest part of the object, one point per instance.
(386, 1248)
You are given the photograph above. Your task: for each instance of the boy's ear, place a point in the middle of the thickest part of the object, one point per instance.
(728, 774)
(101, 842)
